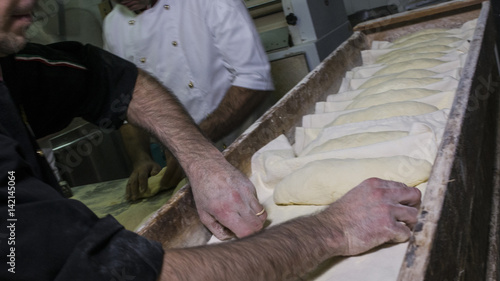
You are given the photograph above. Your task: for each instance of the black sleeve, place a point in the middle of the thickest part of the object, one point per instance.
(57, 82)
(44, 236)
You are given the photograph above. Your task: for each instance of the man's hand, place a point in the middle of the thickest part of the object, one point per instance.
(223, 195)
(138, 181)
(226, 200)
(174, 173)
(373, 213)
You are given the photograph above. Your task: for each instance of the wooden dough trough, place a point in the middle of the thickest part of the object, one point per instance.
(457, 236)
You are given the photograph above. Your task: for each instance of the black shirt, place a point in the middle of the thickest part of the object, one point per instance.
(44, 236)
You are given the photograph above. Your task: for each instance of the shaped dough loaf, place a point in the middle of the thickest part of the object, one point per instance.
(387, 58)
(404, 108)
(414, 56)
(356, 140)
(399, 83)
(434, 37)
(324, 181)
(390, 96)
(420, 33)
(412, 73)
(407, 65)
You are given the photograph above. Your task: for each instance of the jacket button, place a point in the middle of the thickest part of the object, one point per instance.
(167, 7)
(174, 43)
(143, 60)
(131, 22)
(191, 85)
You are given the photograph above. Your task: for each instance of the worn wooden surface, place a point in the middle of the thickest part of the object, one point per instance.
(493, 267)
(451, 240)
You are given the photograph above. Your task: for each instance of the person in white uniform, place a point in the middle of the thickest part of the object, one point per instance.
(207, 52)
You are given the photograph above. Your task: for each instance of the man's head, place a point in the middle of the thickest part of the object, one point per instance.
(15, 18)
(135, 5)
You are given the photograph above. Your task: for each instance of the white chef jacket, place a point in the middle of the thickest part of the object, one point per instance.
(196, 48)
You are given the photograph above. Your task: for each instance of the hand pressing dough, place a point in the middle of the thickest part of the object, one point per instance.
(324, 181)
(390, 96)
(356, 140)
(153, 184)
(404, 108)
(412, 73)
(397, 84)
(407, 65)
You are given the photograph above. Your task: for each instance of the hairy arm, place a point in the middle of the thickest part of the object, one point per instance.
(235, 107)
(373, 213)
(224, 196)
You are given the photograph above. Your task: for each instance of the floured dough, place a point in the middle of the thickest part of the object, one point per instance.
(415, 92)
(434, 37)
(412, 73)
(390, 96)
(399, 83)
(420, 33)
(407, 65)
(324, 181)
(414, 56)
(444, 41)
(404, 108)
(356, 140)
(387, 58)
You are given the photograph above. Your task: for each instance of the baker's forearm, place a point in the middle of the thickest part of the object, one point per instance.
(159, 112)
(136, 142)
(225, 198)
(281, 253)
(235, 107)
(373, 213)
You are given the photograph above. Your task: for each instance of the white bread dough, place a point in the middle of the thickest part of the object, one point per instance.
(356, 140)
(324, 181)
(390, 96)
(404, 108)
(399, 83)
(414, 49)
(407, 65)
(420, 33)
(414, 56)
(411, 73)
(434, 37)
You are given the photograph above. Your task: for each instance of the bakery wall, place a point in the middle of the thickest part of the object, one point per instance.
(67, 20)
(353, 6)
